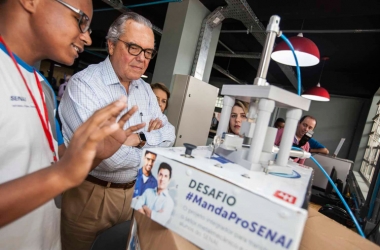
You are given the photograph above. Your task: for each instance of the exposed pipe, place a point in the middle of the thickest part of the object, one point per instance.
(249, 55)
(139, 5)
(152, 3)
(306, 31)
(226, 73)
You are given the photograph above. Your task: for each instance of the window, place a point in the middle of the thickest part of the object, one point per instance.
(372, 151)
(219, 102)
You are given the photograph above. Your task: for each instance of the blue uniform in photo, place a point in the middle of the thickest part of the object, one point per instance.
(140, 186)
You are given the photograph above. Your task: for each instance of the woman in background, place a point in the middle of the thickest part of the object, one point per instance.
(162, 93)
(238, 115)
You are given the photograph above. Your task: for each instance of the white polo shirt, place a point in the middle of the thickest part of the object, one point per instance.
(24, 149)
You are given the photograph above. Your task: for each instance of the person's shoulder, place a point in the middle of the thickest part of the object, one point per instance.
(91, 73)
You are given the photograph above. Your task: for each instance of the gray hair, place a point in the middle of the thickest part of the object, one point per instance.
(118, 26)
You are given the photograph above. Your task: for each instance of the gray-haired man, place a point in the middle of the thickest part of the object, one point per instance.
(103, 200)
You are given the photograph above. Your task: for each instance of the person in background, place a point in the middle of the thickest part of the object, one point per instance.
(162, 93)
(305, 124)
(214, 122)
(280, 123)
(31, 174)
(316, 147)
(109, 186)
(62, 87)
(238, 115)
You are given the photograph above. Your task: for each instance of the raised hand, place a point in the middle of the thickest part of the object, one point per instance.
(91, 139)
(112, 143)
(70, 171)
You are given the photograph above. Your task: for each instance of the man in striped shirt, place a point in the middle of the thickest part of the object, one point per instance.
(103, 200)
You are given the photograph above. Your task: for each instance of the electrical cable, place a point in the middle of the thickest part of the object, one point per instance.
(297, 65)
(338, 193)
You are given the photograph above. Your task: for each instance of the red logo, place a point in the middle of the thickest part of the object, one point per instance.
(285, 197)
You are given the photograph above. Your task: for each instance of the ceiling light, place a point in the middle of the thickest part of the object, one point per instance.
(306, 50)
(144, 76)
(318, 93)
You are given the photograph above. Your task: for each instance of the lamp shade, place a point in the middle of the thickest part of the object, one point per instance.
(306, 51)
(317, 93)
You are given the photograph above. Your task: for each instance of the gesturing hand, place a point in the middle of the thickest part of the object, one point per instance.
(83, 147)
(112, 143)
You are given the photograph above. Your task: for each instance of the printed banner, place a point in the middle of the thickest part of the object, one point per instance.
(210, 212)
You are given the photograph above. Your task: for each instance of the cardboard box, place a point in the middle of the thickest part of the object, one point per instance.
(217, 204)
(320, 233)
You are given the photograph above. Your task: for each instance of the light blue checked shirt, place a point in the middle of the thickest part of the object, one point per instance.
(162, 204)
(97, 86)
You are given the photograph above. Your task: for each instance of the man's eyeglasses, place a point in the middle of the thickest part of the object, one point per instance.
(83, 20)
(135, 50)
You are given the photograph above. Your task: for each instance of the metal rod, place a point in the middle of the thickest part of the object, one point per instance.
(225, 46)
(264, 62)
(306, 31)
(224, 72)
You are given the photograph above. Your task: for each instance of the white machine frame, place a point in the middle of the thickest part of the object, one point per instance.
(262, 98)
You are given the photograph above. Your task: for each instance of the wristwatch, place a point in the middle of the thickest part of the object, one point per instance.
(142, 140)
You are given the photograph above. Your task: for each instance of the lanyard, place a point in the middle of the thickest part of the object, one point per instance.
(45, 124)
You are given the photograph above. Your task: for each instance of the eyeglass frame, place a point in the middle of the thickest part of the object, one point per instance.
(81, 14)
(154, 52)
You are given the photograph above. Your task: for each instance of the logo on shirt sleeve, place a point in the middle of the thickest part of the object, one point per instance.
(18, 98)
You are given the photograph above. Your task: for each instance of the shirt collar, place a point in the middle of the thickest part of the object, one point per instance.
(109, 75)
(140, 172)
(165, 192)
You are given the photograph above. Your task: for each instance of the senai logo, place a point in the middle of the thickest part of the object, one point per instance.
(18, 98)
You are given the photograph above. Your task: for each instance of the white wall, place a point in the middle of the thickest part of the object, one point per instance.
(336, 119)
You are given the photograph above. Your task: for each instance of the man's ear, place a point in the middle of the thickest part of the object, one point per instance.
(111, 47)
(29, 5)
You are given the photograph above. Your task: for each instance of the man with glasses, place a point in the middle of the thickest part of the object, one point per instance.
(104, 199)
(31, 174)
